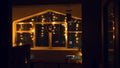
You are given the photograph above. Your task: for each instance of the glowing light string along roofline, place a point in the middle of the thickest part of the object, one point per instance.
(40, 13)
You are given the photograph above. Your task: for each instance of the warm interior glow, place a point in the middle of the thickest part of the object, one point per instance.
(43, 21)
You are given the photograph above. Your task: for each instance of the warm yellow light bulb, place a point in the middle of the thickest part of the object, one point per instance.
(32, 19)
(20, 44)
(77, 25)
(53, 23)
(76, 35)
(113, 36)
(77, 38)
(32, 30)
(113, 28)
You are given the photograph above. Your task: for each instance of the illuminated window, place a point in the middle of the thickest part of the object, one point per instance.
(48, 29)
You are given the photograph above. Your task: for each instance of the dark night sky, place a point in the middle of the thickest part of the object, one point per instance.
(35, 2)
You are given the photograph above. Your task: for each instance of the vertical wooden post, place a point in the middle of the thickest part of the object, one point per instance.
(50, 39)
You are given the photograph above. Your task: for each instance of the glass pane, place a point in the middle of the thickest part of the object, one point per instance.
(42, 37)
(24, 38)
(58, 38)
(24, 26)
(74, 40)
(74, 26)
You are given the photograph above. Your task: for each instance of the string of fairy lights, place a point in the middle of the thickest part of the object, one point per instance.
(52, 18)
